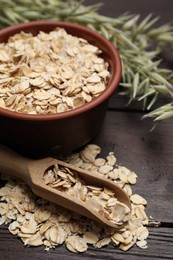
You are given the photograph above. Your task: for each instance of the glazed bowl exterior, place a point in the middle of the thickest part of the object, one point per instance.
(59, 133)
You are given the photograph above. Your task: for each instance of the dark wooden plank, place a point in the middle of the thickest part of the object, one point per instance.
(121, 103)
(149, 154)
(160, 246)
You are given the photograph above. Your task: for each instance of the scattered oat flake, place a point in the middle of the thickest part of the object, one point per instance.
(132, 178)
(30, 227)
(99, 162)
(104, 169)
(34, 240)
(118, 237)
(111, 159)
(76, 244)
(142, 233)
(90, 237)
(126, 247)
(142, 244)
(137, 199)
(127, 189)
(103, 242)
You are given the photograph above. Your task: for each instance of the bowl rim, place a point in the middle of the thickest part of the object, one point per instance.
(111, 86)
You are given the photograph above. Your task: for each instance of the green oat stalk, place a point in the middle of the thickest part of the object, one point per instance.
(142, 79)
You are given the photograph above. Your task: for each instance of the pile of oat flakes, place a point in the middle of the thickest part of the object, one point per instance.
(50, 72)
(39, 222)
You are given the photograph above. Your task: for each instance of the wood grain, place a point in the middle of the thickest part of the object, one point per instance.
(149, 154)
(159, 247)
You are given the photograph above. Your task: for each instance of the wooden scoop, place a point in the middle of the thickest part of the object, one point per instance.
(32, 171)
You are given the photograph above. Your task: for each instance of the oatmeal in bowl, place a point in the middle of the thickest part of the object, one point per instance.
(55, 81)
(50, 72)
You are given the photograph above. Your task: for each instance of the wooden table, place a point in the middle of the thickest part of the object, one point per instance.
(149, 154)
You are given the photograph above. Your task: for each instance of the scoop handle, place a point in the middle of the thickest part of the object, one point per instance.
(14, 164)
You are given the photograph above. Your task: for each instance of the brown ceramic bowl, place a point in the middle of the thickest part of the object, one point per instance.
(41, 135)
